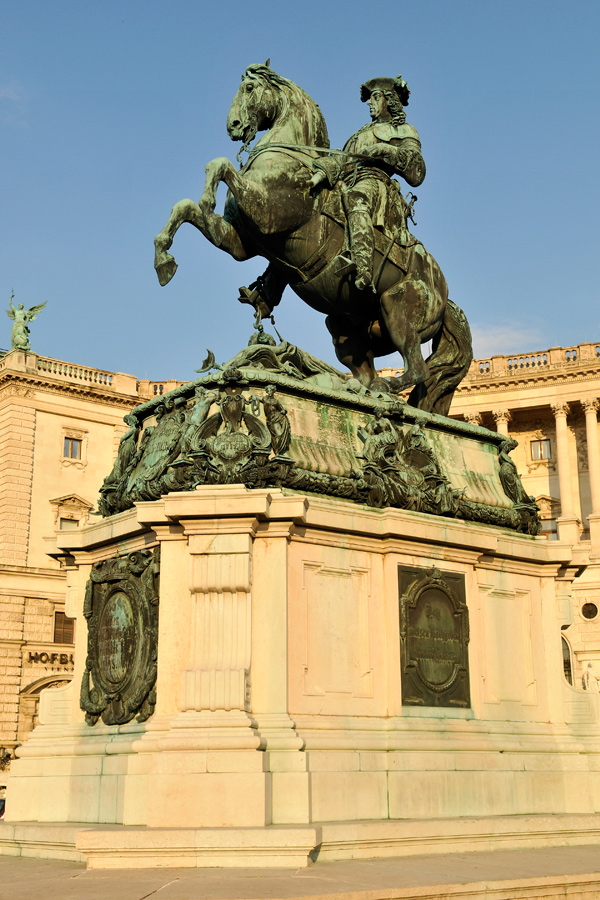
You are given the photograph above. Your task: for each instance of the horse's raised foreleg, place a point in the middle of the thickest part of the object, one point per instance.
(214, 227)
(164, 263)
(251, 197)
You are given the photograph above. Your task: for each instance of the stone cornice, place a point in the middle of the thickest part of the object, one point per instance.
(488, 381)
(24, 382)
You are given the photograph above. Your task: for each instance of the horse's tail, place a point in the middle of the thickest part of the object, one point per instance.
(451, 356)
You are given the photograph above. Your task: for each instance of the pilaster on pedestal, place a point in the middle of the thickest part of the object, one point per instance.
(215, 684)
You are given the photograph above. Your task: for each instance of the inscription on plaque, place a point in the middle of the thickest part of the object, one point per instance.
(116, 636)
(121, 608)
(434, 637)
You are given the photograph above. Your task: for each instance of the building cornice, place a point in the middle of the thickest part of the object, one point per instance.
(19, 384)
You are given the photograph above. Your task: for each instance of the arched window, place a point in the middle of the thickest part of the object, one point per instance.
(567, 663)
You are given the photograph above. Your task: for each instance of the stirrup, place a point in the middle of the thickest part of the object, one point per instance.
(343, 265)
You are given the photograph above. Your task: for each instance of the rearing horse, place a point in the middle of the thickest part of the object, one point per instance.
(270, 211)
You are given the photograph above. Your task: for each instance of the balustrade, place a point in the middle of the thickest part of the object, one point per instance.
(74, 372)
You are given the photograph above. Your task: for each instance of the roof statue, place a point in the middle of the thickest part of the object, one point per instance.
(19, 334)
(333, 225)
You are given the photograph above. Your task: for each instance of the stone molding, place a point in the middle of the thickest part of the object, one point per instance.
(26, 386)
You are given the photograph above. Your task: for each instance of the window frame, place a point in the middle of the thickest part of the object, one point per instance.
(60, 625)
(541, 443)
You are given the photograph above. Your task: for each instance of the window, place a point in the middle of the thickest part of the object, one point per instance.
(589, 610)
(68, 524)
(567, 666)
(540, 450)
(64, 628)
(72, 448)
(549, 529)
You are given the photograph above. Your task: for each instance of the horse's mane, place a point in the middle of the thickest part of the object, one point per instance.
(295, 98)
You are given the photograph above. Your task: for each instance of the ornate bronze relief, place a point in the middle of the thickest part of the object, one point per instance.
(434, 638)
(121, 606)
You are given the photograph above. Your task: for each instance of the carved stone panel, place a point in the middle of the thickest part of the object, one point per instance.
(434, 637)
(121, 607)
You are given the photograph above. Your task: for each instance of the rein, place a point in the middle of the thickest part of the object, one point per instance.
(305, 148)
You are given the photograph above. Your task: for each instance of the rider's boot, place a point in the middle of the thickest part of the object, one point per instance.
(363, 247)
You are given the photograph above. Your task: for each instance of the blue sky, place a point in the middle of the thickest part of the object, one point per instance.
(109, 112)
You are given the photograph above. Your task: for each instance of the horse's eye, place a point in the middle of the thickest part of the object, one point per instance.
(249, 87)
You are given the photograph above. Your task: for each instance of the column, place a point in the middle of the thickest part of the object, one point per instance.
(502, 417)
(568, 522)
(474, 418)
(593, 448)
(590, 407)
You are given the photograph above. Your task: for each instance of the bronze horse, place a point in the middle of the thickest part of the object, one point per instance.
(270, 211)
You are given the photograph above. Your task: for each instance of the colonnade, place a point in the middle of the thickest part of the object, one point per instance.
(569, 524)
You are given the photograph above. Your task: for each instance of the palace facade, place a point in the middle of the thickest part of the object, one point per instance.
(548, 403)
(60, 426)
(60, 429)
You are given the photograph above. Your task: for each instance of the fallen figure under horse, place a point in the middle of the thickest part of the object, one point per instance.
(333, 225)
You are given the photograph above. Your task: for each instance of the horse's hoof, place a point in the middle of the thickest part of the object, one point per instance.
(165, 270)
(380, 385)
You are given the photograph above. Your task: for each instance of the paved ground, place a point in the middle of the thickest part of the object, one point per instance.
(37, 879)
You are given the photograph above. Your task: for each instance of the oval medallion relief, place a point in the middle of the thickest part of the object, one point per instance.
(116, 638)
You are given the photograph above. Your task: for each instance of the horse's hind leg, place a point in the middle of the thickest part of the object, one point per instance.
(352, 348)
(402, 312)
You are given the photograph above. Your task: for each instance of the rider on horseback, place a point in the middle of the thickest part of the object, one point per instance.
(385, 147)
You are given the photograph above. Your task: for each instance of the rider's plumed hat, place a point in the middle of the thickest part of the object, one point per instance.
(397, 84)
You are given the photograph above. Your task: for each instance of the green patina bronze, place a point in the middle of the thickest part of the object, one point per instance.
(276, 416)
(121, 609)
(19, 334)
(434, 638)
(333, 225)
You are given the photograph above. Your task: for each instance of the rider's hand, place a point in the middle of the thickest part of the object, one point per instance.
(382, 151)
(317, 178)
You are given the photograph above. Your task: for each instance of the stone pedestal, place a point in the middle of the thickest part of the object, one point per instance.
(278, 697)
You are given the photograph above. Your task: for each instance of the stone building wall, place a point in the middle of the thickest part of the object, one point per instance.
(43, 488)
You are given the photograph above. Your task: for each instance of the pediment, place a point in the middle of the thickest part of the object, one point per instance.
(72, 501)
(549, 506)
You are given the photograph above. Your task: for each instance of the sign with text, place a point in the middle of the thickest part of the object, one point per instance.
(434, 638)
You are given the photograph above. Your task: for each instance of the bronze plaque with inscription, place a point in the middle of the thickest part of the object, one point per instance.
(434, 638)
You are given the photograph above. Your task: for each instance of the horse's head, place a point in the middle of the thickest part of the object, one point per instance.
(255, 106)
(264, 98)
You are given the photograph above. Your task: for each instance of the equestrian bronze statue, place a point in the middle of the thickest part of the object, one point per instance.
(333, 225)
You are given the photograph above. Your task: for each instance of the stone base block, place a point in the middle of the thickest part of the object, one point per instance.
(199, 848)
(45, 840)
(122, 847)
(211, 799)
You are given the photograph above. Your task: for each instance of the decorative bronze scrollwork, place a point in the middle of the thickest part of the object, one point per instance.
(121, 607)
